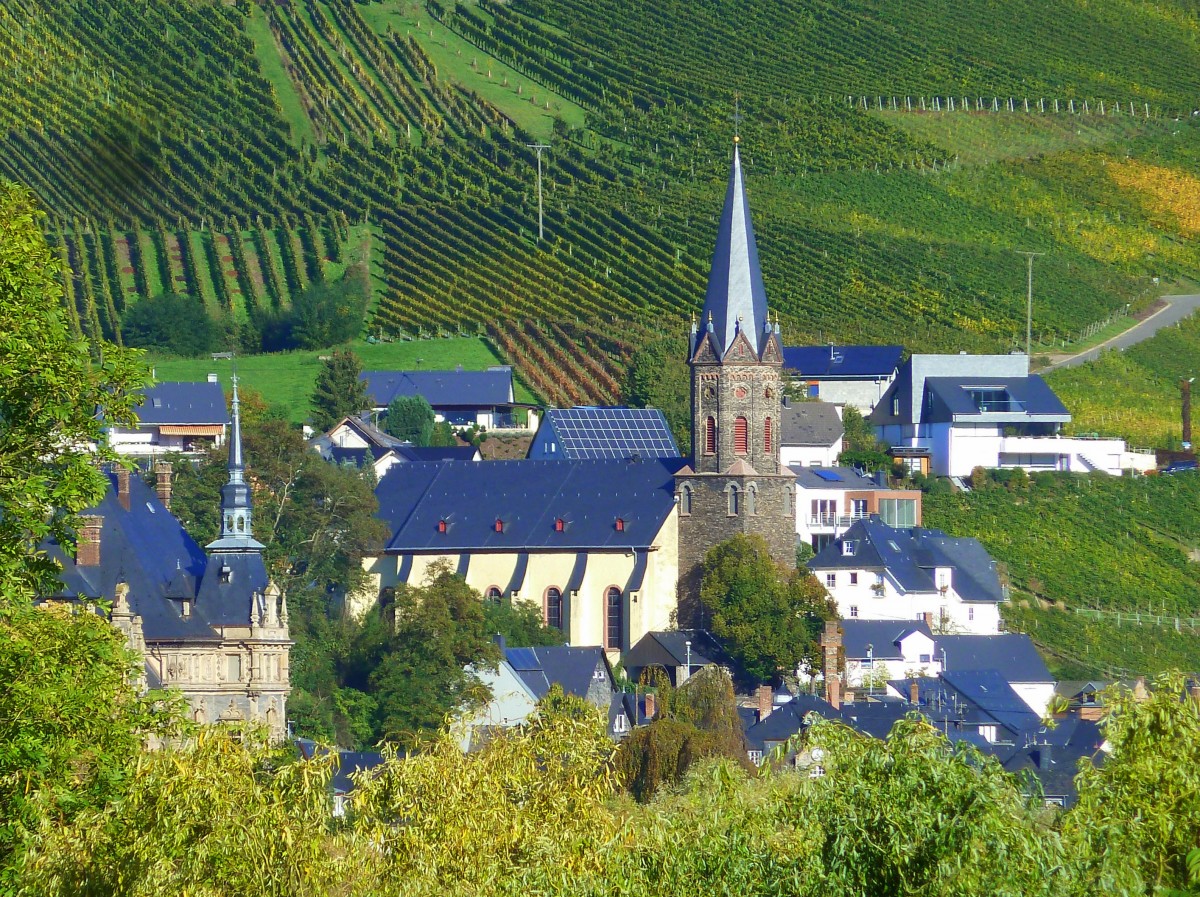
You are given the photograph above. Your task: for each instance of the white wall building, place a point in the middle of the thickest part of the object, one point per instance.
(948, 414)
(877, 572)
(811, 434)
(176, 417)
(843, 375)
(878, 651)
(829, 500)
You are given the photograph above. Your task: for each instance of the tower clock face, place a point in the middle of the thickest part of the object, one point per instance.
(740, 392)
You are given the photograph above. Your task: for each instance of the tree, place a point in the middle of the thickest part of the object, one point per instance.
(410, 418)
(862, 448)
(329, 314)
(521, 624)
(413, 651)
(55, 401)
(443, 435)
(768, 619)
(659, 378)
(171, 323)
(339, 392)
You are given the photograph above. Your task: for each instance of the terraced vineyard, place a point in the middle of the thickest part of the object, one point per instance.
(227, 150)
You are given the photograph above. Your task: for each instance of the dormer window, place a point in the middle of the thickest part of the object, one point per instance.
(848, 547)
(443, 526)
(226, 575)
(620, 525)
(560, 525)
(498, 526)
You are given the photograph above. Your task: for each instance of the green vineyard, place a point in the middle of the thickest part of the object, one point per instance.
(239, 153)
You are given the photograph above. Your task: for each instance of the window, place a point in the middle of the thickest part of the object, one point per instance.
(499, 525)
(553, 609)
(854, 610)
(849, 546)
(226, 574)
(755, 757)
(830, 580)
(621, 724)
(233, 671)
(614, 618)
(970, 613)
(741, 436)
(442, 526)
(854, 579)
(710, 436)
(685, 500)
(767, 435)
(734, 504)
(620, 525)
(752, 499)
(560, 525)
(924, 658)
(895, 406)
(788, 498)
(814, 390)
(858, 508)
(900, 513)
(492, 595)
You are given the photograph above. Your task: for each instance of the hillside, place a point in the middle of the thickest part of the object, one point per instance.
(235, 151)
(1097, 545)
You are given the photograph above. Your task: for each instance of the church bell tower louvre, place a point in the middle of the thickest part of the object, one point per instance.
(735, 483)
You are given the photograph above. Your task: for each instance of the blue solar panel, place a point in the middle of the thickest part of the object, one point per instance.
(522, 659)
(830, 476)
(613, 433)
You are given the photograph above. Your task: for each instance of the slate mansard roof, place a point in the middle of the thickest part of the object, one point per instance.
(843, 362)
(910, 557)
(442, 389)
(570, 434)
(147, 548)
(183, 403)
(527, 498)
(934, 389)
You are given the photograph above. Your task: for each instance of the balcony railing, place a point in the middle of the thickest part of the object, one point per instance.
(836, 519)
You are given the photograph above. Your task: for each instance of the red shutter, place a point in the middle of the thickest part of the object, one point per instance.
(767, 435)
(710, 436)
(741, 436)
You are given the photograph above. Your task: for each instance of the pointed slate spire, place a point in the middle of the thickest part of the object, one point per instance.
(236, 532)
(736, 300)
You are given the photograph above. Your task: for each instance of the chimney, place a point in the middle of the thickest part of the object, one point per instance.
(1045, 756)
(927, 619)
(87, 541)
(831, 641)
(123, 486)
(212, 378)
(650, 708)
(914, 691)
(162, 482)
(766, 701)
(833, 692)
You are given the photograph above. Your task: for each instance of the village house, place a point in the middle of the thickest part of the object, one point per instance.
(184, 418)
(843, 375)
(811, 434)
(829, 500)
(585, 432)
(461, 398)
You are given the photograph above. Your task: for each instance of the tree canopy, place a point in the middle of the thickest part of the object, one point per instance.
(171, 323)
(768, 618)
(410, 418)
(338, 391)
(659, 378)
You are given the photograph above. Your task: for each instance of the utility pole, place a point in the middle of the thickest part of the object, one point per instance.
(1030, 256)
(1185, 389)
(538, 147)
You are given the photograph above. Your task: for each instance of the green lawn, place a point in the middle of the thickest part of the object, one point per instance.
(272, 68)
(286, 379)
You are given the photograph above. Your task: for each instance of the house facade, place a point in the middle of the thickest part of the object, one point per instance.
(948, 414)
(877, 572)
(829, 500)
(182, 418)
(843, 375)
(811, 434)
(881, 650)
(461, 398)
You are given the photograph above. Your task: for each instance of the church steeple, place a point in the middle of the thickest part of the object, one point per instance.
(236, 532)
(736, 300)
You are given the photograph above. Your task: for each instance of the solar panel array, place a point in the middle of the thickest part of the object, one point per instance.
(587, 433)
(830, 476)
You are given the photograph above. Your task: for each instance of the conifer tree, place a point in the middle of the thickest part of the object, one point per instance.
(338, 391)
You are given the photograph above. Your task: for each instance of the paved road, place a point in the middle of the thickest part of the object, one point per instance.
(1176, 309)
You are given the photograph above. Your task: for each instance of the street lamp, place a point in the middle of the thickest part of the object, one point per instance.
(871, 669)
(688, 648)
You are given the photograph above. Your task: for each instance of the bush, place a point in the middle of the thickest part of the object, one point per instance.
(173, 323)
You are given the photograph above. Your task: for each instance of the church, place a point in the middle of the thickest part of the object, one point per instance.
(209, 622)
(609, 546)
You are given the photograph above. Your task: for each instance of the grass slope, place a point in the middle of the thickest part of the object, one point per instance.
(286, 379)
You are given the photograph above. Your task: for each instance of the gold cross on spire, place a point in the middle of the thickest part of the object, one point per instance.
(736, 118)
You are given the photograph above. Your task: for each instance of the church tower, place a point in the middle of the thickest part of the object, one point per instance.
(735, 483)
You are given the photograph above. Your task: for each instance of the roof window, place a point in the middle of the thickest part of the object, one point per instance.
(620, 524)
(443, 526)
(498, 526)
(560, 525)
(849, 546)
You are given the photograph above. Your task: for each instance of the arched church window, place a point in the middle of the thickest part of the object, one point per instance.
(767, 435)
(685, 499)
(741, 436)
(553, 608)
(734, 500)
(614, 618)
(710, 436)
(787, 502)
(492, 595)
(752, 499)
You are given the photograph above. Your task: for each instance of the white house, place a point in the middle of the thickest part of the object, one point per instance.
(358, 443)
(183, 417)
(844, 375)
(829, 500)
(948, 414)
(811, 434)
(881, 650)
(1011, 654)
(463, 398)
(877, 572)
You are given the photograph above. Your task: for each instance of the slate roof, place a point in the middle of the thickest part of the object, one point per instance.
(787, 720)
(148, 549)
(668, 649)
(349, 763)
(527, 497)
(810, 423)
(442, 389)
(882, 635)
(991, 692)
(1028, 396)
(183, 403)
(843, 362)
(568, 667)
(569, 434)
(910, 558)
(832, 478)
(735, 298)
(1012, 654)
(1053, 755)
